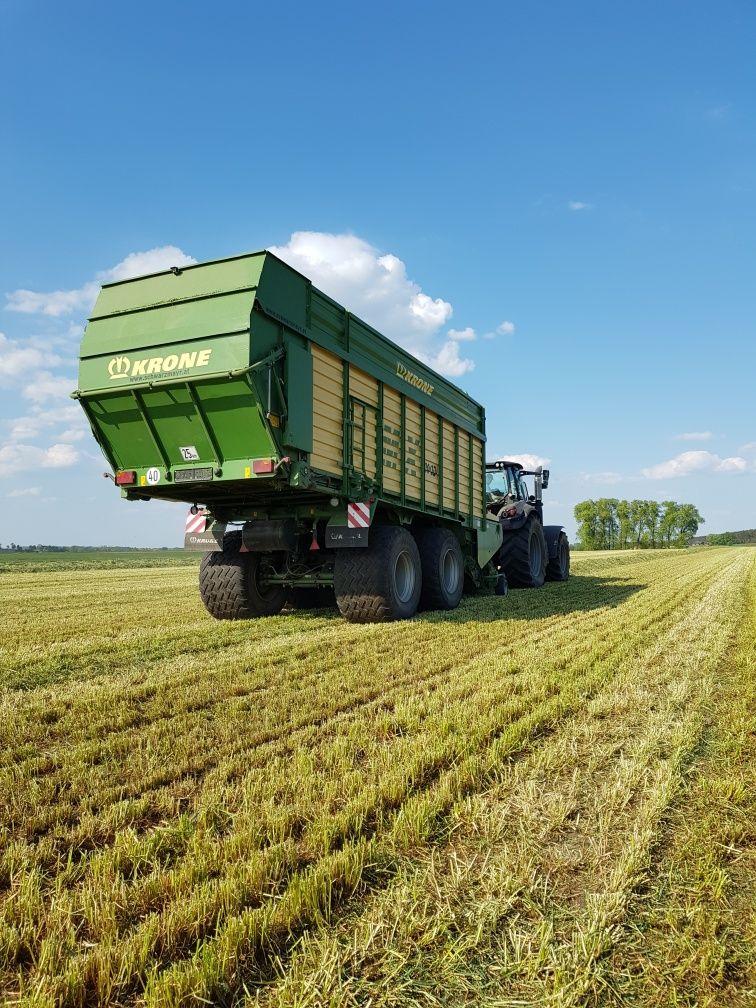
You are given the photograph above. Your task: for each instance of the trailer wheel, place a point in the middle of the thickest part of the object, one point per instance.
(523, 555)
(311, 598)
(443, 568)
(380, 583)
(558, 567)
(229, 587)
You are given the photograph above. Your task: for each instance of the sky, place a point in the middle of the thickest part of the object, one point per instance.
(554, 204)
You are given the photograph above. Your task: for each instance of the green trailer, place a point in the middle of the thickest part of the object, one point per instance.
(318, 457)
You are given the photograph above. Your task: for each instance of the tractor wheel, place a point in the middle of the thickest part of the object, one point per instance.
(523, 555)
(229, 587)
(558, 567)
(443, 568)
(311, 598)
(383, 581)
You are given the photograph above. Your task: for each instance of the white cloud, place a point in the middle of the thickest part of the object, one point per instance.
(19, 358)
(376, 287)
(749, 447)
(155, 260)
(48, 386)
(69, 302)
(26, 492)
(27, 428)
(448, 361)
(54, 303)
(695, 461)
(579, 205)
(528, 460)
(608, 476)
(467, 335)
(695, 436)
(505, 328)
(21, 457)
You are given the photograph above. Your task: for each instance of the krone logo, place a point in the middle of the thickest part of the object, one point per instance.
(118, 367)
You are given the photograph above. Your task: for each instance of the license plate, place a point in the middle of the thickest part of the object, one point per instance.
(199, 475)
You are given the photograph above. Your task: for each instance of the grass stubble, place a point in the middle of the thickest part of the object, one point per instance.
(546, 799)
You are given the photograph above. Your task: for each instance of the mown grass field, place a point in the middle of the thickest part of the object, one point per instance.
(547, 799)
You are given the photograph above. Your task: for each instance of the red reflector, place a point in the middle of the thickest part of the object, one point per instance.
(125, 477)
(262, 466)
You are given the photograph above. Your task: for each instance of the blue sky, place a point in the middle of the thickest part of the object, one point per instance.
(580, 177)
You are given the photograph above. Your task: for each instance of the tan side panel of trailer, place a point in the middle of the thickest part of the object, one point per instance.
(449, 464)
(327, 411)
(392, 444)
(478, 478)
(465, 450)
(363, 393)
(431, 458)
(412, 435)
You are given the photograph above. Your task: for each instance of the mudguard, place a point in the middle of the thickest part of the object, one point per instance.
(552, 533)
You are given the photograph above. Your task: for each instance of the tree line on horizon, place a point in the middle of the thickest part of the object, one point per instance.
(609, 523)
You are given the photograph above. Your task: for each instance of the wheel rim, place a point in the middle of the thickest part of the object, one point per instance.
(404, 576)
(535, 556)
(563, 558)
(450, 571)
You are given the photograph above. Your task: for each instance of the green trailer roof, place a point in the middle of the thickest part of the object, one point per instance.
(190, 303)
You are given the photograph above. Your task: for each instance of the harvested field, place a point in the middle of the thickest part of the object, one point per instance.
(547, 799)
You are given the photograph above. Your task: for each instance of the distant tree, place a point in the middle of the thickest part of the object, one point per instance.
(688, 521)
(624, 523)
(589, 527)
(609, 523)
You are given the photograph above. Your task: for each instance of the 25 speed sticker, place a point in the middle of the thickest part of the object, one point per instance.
(153, 476)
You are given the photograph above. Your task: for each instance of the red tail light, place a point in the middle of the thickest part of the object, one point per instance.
(124, 478)
(262, 466)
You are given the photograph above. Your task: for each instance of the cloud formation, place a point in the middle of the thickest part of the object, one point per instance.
(527, 459)
(695, 436)
(695, 461)
(19, 358)
(80, 300)
(16, 458)
(376, 287)
(579, 205)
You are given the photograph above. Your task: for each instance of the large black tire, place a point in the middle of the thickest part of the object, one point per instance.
(443, 568)
(311, 598)
(380, 583)
(558, 567)
(228, 584)
(523, 555)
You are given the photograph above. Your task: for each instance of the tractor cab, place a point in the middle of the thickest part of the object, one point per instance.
(506, 486)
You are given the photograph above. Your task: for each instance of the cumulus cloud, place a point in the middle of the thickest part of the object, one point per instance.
(448, 361)
(80, 300)
(30, 427)
(48, 386)
(749, 447)
(25, 492)
(376, 287)
(467, 335)
(19, 358)
(16, 458)
(579, 205)
(527, 459)
(609, 476)
(505, 328)
(695, 436)
(695, 461)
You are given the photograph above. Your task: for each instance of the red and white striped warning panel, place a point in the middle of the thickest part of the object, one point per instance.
(195, 523)
(358, 515)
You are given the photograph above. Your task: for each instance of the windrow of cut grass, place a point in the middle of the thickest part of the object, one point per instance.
(190, 798)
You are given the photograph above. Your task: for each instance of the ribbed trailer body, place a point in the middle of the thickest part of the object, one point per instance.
(239, 386)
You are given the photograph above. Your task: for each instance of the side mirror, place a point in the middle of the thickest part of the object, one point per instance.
(545, 478)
